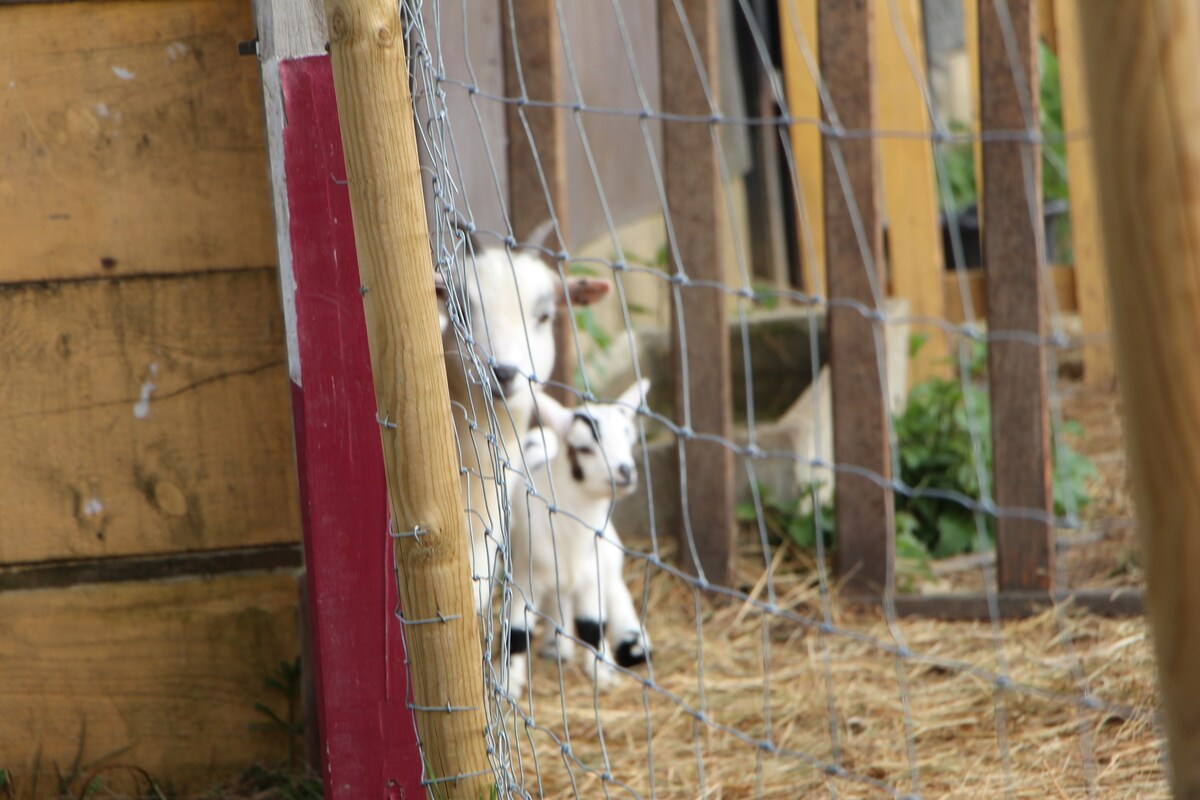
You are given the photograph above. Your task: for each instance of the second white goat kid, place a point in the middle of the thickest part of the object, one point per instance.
(567, 563)
(503, 305)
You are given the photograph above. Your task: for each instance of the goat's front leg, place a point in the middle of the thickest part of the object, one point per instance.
(632, 643)
(590, 625)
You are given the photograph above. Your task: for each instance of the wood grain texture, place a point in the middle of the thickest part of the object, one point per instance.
(910, 197)
(1015, 299)
(702, 399)
(1086, 240)
(130, 141)
(375, 109)
(1145, 58)
(168, 669)
(866, 546)
(143, 416)
(798, 37)
(537, 149)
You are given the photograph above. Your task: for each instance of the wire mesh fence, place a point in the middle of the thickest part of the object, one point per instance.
(781, 431)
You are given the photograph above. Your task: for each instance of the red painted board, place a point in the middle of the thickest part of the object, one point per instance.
(368, 738)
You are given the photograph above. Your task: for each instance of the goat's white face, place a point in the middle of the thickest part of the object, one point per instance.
(508, 303)
(599, 445)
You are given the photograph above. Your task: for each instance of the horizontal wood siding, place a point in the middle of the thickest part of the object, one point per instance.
(131, 141)
(166, 672)
(144, 416)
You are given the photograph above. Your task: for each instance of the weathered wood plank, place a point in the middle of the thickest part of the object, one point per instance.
(866, 546)
(1016, 369)
(1086, 240)
(131, 141)
(166, 672)
(798, 36)
(287, 29)
(537, 149)
(144, 416)
(909, 178)
(701, 363)
(1015, 605)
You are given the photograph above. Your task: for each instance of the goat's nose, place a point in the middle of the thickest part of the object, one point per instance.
(504, 374)
(626, 473)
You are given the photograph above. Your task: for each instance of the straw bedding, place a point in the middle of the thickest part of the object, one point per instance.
(933, 723)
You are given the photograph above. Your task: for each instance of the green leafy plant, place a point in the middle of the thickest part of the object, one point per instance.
(797, 522)
(790, 521)
(938, 452)
(290, 780)
(286, 682)
(958, 158)
(944, 436)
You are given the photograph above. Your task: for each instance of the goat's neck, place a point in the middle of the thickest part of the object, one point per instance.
(471, 404)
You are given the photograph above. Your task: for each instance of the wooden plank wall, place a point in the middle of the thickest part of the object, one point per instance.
(145, 429)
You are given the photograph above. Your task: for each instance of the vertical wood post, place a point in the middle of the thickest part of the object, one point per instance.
(1142, 62)
(371, 79)
(704, 401)
(1017, 369)
(797, 22)
(531, 41)
(910, 178)
(1090, 284)
(367, 739)
(854, 264)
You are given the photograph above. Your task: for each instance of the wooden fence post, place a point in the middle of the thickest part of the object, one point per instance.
(531, 41)
(1015, 302)
(1142, 62)
(371, 79)
(854, 267)
(704, 400)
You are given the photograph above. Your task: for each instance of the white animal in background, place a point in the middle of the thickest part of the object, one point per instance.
(506, 302)
(567, 565)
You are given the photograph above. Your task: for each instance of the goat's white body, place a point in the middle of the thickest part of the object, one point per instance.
(511, 329)
(567, 565)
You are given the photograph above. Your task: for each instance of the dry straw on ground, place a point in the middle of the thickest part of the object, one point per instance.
(933, 724)
(817, 688)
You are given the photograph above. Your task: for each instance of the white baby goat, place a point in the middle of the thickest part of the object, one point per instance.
(567, 566)
(505, 302)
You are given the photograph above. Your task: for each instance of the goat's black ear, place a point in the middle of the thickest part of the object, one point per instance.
(468, 230)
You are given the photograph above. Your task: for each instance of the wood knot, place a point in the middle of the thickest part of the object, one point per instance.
(384, 36)
(170, 499)
(339, 25)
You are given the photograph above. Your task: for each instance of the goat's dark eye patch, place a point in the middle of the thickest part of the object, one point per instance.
(592, 422)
